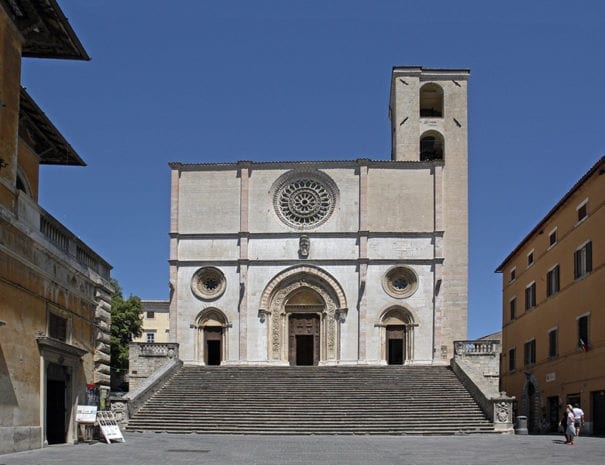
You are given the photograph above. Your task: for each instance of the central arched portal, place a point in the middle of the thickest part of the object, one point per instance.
(304, 307)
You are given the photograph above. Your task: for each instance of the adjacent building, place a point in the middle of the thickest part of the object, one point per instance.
(553, 333)
(330, 262)
(155, 328)
(54, 290)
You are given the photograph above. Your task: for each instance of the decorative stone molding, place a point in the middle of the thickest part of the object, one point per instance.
(273, 309)
(314, 271)
(304, 199)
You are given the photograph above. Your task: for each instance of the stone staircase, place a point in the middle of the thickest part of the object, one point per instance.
(312, 400)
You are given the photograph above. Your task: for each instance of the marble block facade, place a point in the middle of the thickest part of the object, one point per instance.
(330, 262)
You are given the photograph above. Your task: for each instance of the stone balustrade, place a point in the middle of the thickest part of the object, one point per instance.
(477, 347)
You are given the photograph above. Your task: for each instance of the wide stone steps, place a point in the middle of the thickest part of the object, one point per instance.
(312, 400)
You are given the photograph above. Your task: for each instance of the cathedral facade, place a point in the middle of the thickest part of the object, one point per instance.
(330, 262)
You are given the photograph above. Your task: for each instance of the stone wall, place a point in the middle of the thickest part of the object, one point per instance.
(145, 359)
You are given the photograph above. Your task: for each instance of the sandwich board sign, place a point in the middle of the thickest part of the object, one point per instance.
(109, 427)
(86, 414)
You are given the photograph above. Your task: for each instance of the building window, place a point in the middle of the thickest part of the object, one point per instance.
(529, 355)
(304, 199)
(552, 281)
(552, 343)
(513, 274)
(400, 282)
(57, 327)
(582, 210)
(431, 146)
(583, 340)
(431, 101)
(512, 362)
(530, 296)
(150, 315)
(552, 238)
(513, 308)
(150, 337)
(582, 260)
(530, 258)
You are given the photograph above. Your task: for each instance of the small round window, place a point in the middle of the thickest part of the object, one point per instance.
(400, 282)
(208, 283)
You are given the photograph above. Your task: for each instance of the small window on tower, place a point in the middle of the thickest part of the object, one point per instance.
(431, 101)
(431, 146)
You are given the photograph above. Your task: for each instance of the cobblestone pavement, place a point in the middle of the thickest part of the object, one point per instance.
(173, 449)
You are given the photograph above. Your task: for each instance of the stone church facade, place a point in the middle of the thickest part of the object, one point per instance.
(330, 262)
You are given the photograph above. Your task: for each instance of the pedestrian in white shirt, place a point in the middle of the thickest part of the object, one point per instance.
(578, 415)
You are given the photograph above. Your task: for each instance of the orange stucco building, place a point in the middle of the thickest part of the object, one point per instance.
(553, 333)
(55, 312)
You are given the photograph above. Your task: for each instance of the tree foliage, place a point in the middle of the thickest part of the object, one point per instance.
(126, 323)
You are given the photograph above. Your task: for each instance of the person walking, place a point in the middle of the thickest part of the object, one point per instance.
(578, 414)
(570, 430)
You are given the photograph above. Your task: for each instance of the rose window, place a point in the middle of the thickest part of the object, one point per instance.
(400, 282)
(306, 200)
(208, 283)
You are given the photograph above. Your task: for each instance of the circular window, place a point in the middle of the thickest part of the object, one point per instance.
(208, 283)
(400, 282)
(304, 199)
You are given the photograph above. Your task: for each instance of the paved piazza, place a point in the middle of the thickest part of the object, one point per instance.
(173, 449)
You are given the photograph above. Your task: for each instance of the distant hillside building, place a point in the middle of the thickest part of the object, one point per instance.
(330, 262)
(553, 334)
(55, 292)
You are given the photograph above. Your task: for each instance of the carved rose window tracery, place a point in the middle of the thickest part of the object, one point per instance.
(304, 199)
(208, 283)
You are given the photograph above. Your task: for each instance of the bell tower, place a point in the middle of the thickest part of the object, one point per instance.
(429, 124)
(428, 113)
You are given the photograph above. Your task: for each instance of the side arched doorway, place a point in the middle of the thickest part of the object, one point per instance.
(531, 402)
(211, 340)
(304, 308)
(397, 328)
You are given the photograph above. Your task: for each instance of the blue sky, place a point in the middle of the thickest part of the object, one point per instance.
(221, 81)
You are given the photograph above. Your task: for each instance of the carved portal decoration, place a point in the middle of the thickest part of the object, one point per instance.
(304, 199)
(275, 300)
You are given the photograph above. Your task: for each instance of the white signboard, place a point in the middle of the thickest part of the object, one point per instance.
(86, 414)
(109, 427)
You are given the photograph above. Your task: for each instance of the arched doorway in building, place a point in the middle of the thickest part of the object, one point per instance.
(211, 344)
(397, 326)
(531, 404)
(303, 308)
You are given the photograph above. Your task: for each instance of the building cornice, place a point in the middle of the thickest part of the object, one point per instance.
(45, 29)
(315, 164)
(41, 135)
